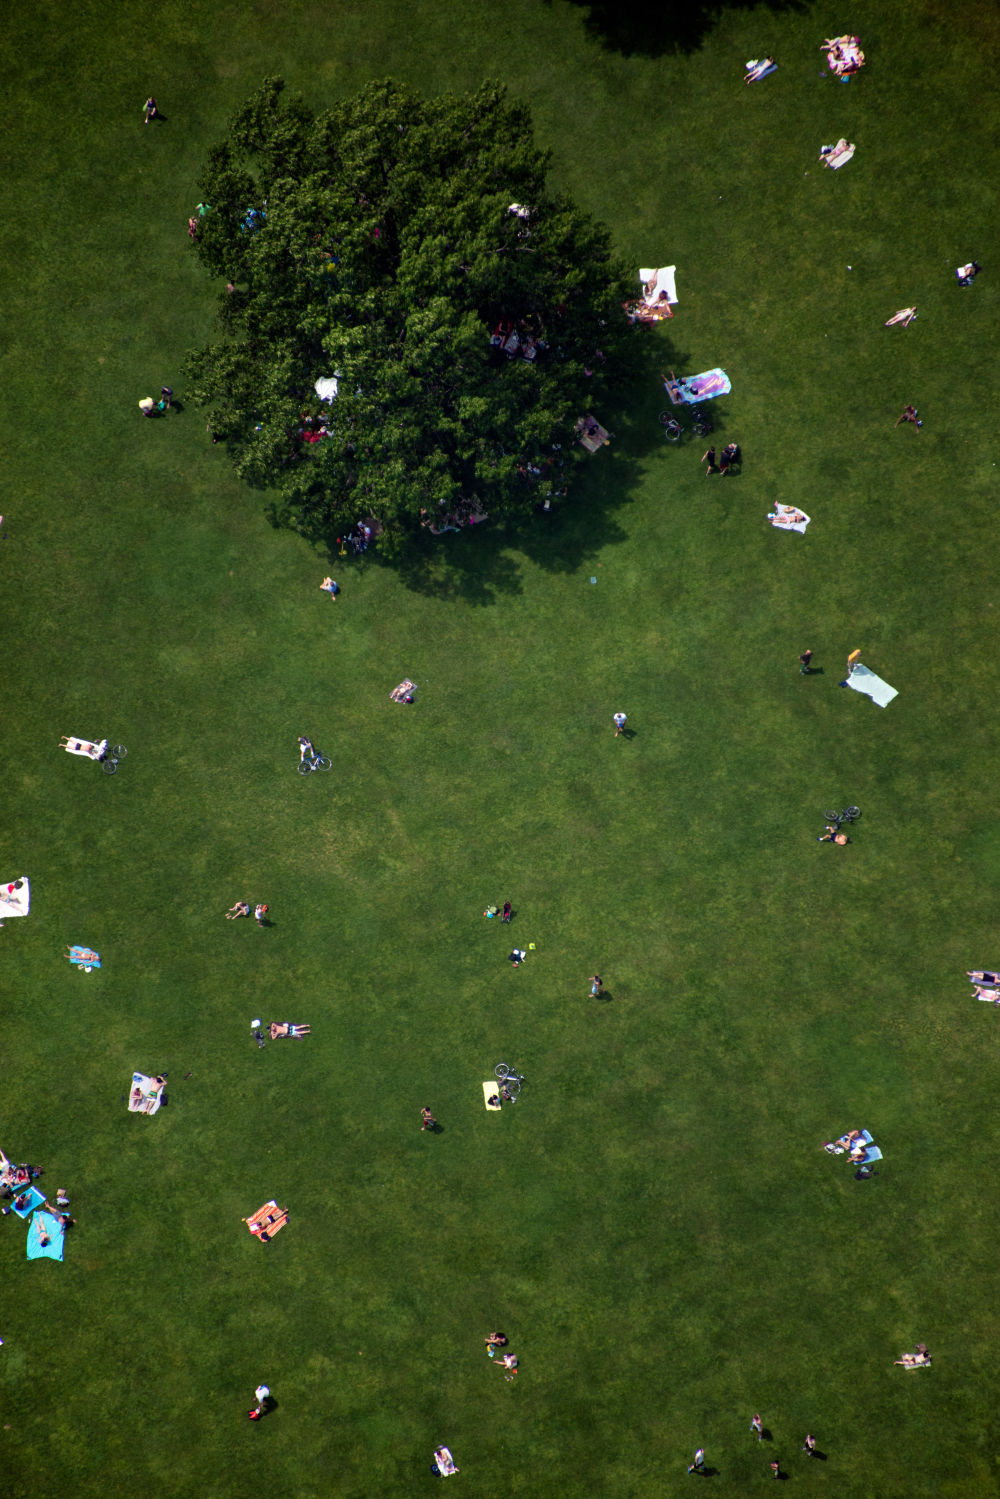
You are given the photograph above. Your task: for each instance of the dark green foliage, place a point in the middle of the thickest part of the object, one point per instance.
(383, 250)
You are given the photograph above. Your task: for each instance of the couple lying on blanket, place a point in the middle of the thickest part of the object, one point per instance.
(854, 1141)
(836, 156)
(404, 692)
(266, 1221)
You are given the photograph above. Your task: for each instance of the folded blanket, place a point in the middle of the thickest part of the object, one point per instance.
(865, 681)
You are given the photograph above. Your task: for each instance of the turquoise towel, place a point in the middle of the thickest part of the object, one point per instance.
(53, 1250)
(34, 1199)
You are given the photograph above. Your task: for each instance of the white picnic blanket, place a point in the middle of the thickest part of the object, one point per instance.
(87, 747)
(15, 898)
(863, 680)
(838, 156)
(491, 1089)
(775, 517)
(655, 281)
(144, 1095)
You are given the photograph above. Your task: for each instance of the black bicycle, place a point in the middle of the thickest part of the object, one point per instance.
(837, 819)
(111, 757)
(701, 424)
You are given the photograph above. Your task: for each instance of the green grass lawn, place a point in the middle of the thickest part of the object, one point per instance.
(654, 1224)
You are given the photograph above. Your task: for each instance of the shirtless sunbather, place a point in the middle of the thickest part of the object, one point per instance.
(914, 1360)
(757, 69)
(786, 515)
(404, 692)
(905, 315)
(285, 1028)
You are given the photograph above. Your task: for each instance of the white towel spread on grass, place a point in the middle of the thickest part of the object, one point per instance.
(665, 280)
(863, 680)
(15, 898)
(784, 525)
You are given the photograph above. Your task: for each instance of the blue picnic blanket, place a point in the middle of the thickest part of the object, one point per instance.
(53, 1230)
(691, 389)
(32, 1199)
(86, 957)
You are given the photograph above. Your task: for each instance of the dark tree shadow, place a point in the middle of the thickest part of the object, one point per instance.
(482, 565)
(634, 27)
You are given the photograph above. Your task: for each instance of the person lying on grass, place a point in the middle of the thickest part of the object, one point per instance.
(285, 1028)
(831, 835)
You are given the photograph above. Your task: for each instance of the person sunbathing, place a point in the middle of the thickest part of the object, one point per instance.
(757, 69)
(914, 1360)
(240, 909)
(966, 274)
(496, 1340)
(905, 315)
(984, 993)
(404, 692)
(786, 515)
(980, 976)
(285, 1028)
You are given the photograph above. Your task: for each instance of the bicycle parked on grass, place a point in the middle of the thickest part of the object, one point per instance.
(310, 760)
(672, 429)
(849, 814)
(510, 1082)
(111, 757)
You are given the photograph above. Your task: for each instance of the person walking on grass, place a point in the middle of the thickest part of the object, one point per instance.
(804, 661)
(150, 110)
(596, 985)
(259, 912)
(809, 1446)
(620, 720)
(775, 1470)
(698, 1466)
(708, 458)
(427, 1119)
(757, 1427)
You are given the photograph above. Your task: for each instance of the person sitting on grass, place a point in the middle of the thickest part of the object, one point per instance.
(240, 909)
(496, 1340)
(909, 415)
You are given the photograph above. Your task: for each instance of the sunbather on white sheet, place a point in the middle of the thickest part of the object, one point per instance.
(989, 995)
(905, 315)
(836, 156)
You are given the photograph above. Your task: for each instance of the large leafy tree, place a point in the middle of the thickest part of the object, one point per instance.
(377, 243)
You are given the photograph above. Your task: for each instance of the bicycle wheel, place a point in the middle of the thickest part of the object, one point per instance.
(833, 817)
(666, 417)
(851, 814)
(322, 763)
(512, 1085)
(110, 767)
(502, 1071)
(118, 752)
(305, 766)
(673, 433)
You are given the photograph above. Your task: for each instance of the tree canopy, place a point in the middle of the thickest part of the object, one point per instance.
(411, 250)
